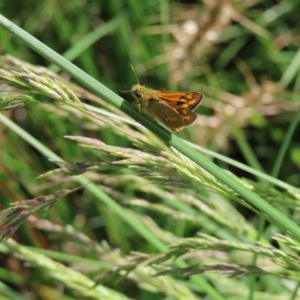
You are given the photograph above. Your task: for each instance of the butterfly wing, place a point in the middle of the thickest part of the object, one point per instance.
(188, 117)
(183, 103)
(181, 100)
(166, 114)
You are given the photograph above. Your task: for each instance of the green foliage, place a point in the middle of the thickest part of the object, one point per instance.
(128, 226)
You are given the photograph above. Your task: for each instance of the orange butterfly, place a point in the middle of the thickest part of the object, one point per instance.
(174, 109)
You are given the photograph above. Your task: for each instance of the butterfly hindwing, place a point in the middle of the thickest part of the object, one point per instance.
(166, 114)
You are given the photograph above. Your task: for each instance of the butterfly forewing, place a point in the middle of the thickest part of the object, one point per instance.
(183, 100)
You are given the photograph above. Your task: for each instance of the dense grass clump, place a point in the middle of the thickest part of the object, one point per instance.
(98, 205)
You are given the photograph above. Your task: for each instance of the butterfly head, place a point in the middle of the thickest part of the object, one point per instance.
(137, 91)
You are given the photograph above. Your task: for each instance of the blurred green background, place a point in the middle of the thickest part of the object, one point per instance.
(243, 55)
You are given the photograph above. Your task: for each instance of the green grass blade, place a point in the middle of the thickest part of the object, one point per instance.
(286, 142)
(291, 71)
(88, 41)
(102, 91)
(244, 146)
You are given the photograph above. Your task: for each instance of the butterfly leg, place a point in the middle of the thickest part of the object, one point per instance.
(138, 105)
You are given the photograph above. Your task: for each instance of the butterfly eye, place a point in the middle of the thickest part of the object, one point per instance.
(138, 93)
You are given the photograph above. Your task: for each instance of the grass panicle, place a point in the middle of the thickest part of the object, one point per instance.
(147, 215)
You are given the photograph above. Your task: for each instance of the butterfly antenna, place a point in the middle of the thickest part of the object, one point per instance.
(132, 68)
(122, 92)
